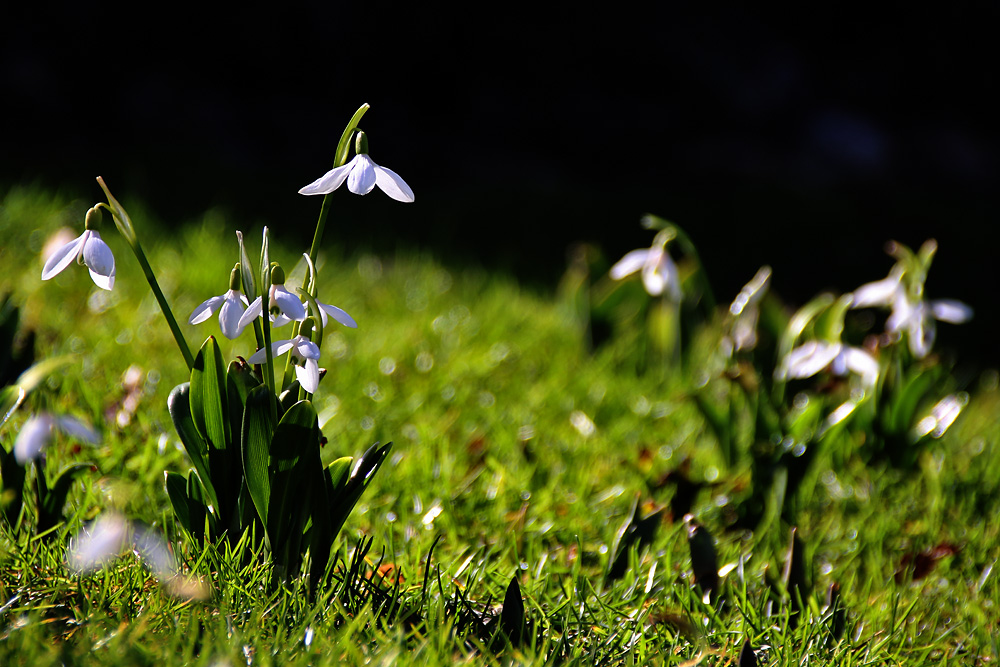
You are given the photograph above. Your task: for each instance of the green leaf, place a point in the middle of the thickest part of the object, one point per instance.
(179, 406)
(339, 471)
(176, 485)
(198, 509)
(209, 404)
(258, 428)
(10, 400)
(294, 464)
(12, 496)
(344, 145)
(347, 496)
(50, 511)
(246, 271)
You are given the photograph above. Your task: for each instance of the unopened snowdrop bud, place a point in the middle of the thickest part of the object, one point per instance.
(277, 274)
(94, 218)
(360, 142)
(306, 328)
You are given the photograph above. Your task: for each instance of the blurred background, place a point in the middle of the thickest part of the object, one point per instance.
(802, 136)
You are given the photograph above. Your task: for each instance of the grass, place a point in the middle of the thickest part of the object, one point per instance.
(520, 454)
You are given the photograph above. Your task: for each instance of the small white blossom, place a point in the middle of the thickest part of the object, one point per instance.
(302, 348)
(105, 538)
(362, 175)
(659, 273)
(810, 358)
(284, 306)
(231, 307)
(96, 256)
(39, 429)
(916, 316)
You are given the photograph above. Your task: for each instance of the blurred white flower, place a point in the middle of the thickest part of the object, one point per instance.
(362, 175)
(304, 349)
(110, 535)
(810, 358)
(659, 273)
(95, 253)
(911, 314)
(39, 429)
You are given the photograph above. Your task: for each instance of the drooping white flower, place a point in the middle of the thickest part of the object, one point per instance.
(39, 429)
(814, 356)
(230, 305)
(916, 317)
(93, 251)
(659, 273)
(105, 538)
(302, 348)
(362, 175)
(282, 305)
(913, 315)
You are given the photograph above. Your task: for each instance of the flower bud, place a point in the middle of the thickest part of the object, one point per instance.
(235, 279)
(306, 328)
(360, 143)
(277, 274)
(94, 218)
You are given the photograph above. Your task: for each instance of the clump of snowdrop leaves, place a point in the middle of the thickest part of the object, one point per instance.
(658, 270)
(362, 175)
(88, 249)
(903, 291)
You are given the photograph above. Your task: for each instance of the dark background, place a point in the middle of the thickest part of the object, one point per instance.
(804, 137)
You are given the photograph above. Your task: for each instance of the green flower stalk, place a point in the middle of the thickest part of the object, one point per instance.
(124, 224)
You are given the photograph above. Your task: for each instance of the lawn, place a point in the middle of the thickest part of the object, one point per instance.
(577, 476)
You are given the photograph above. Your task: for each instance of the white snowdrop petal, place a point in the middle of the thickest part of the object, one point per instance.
(63, 257)
(338, 314)
(31, 441)
(391, 184)
(629, 264)
(205, 310)
(361, 180)
(329, 181)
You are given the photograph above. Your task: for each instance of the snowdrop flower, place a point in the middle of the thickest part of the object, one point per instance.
(810, 358)
(89, 249)
(282, 304)
(302, 348)
(659, 272)
(362, 175)
(912, 314)
(108, 536)
(230, 305)
(39, 429)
